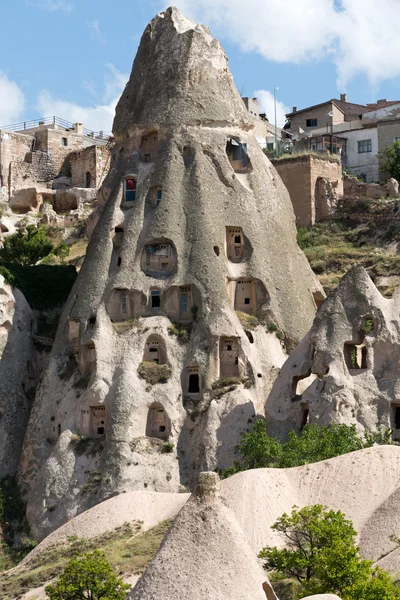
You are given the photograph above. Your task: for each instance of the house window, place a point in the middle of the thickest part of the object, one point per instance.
(397, 417)
(159, 196)
(184, 303)
(396, 139)
(194, 384)
(247, 300)
(64, 141)
(130, 189)
(88, 179)
(155, 299)
(124, 309)
(311, 122)
(270, 146)
(364, 146)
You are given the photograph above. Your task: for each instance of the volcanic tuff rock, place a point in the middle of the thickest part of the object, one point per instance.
(346, 369)
(17, 374)
(195, 228)
(204, 555)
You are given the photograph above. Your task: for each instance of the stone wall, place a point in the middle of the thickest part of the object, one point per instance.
(14, 169)
(388, 132)
(95, 161)
(302, 176)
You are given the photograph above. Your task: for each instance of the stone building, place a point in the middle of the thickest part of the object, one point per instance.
(314, 184)
(191, 244)
(42, 151)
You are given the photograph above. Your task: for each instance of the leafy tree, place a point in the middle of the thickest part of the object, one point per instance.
(322, 556)
(88, 576)
(314, 443)
(390, 160)
(26, 247)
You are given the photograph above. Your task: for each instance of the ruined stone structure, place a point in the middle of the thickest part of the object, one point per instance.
(345, 370)
(195, 236)
(315, 185)
(34, 157)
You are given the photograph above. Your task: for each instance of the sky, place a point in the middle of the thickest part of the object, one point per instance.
(72, 58)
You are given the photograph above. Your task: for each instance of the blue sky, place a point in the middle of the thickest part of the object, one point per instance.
(72, 57)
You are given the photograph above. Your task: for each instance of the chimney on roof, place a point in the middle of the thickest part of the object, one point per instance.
(343, 97)
(78, 128)
(294, 109)
(381, 101)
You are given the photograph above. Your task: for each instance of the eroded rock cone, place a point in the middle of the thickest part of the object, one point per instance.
(346, 369)
(204, 555)
(192, 288)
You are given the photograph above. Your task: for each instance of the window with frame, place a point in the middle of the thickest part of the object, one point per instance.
(124, 305)
(159, 196)
(155, 298)
(64, 141)
(184, 303)
(311, 122)
(364, 146)
(270, 146)
(130, 189)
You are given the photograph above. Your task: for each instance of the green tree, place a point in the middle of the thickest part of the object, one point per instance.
(390, 160)
(26, 247)
(257, 449)
(321, 554)
(88, 576)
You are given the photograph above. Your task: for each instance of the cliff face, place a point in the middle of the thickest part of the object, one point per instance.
(195, 229)
(345, 370)
(17, 374)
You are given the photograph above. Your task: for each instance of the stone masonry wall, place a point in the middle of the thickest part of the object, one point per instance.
(14, 170)
(300, 175)
(94, 160)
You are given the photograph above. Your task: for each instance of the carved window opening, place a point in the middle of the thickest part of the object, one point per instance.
(59, 429)
(234, 244)
(149, 146)
(130, 189)
(355, 356)
(155, 298)
(154, 350)
(158, 425)
(229, 357)
(305, 416)
(88, 179)
(124, 304)
(185, 303)
(158, 259)
(237, 155)
(119, 260)
(97, 421)
(193, 380)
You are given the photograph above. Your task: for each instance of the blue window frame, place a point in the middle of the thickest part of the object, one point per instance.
(130, 189)
(184, 303)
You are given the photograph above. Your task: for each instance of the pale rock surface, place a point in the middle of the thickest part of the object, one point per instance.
(204, 555)
(185, 97)
(352, 353)
(17, 374)
(392, 188)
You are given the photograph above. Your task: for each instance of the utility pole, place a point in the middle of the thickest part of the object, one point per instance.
(276, 129)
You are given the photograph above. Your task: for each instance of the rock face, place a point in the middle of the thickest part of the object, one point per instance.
(167, 346)
(346, 369)
(204, 555)
(17, 374)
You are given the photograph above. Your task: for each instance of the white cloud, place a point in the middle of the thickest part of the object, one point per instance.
(52, 5)
(266, 102)
(95, 30)
(359, 36)
(98, 117)
(12, 103)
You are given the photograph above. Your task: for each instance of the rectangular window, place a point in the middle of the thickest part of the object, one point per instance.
(123, 304)
(130, 189)
(311, 122)
(184, 303)
(159, 196)
(364, 146)
(64, 141)
(270, 146)
(155, 299)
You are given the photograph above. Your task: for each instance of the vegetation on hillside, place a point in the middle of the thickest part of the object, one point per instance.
(258, 450)
(128, 550)
(30, 245)
(88, 576)
(333, 247)
(390, 160)
(321, 557)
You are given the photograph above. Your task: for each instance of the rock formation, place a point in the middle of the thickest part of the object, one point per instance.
(17, 374)
(192, 289)
(346, 369)
(204, 555)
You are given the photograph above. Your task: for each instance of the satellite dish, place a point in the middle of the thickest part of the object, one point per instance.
(331, 113)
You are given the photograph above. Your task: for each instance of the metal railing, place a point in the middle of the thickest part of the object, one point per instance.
(26, 125)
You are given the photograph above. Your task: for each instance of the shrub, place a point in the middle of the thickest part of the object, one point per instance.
(247, 321)
(390, 160)
(26, 247)
(154, 373)
(88, 575)
(167, 447)
(8, 276)
(182, 332)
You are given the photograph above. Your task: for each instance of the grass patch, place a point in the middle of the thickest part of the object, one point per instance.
(124, 326)
(127, 549)
(333, 247)
(247, 321)
(44, 286)
(226, 384)
(182, 332)
(154, 373)
(297, 155)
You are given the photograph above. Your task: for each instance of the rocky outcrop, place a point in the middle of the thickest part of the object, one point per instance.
(204, 555)
(191, 293)
(346, 369)
(17, 374)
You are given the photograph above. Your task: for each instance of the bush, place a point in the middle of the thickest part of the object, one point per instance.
(28, 246)
(167, 447)
(182, 332)
(8, 276)
(390, 160)
(247, 321)
(88, 575)
(322, 556)
(315, 443)
(154, 373)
